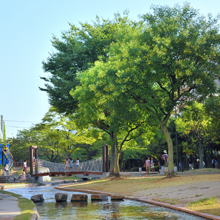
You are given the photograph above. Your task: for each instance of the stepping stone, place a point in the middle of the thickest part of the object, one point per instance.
(101, 197)
(79, 197)
(37, 198)
(117, 197)
(61, 197)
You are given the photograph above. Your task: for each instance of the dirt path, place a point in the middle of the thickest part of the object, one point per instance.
(15, 170)
(182, 194)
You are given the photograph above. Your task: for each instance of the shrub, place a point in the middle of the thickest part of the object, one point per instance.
(134, 169)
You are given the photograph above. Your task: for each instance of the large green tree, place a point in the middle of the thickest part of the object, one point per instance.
(169, 61)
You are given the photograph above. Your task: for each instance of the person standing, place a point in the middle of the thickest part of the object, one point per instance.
(147, 165)
(77, 163)
(67, 164)
(165, 156)
(159, 167)
(71, 163)
(25, 166)
(213, 163)
(24, 178)
(152, 164)
(162, 162)
(7, 169)
(179, 166)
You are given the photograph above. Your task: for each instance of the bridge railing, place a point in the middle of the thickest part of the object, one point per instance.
(44, 166)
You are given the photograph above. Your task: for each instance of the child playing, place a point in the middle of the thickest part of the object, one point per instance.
(152, 164)
(24, 176)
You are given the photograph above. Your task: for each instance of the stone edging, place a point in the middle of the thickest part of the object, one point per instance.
(35, 215)
(181, 209)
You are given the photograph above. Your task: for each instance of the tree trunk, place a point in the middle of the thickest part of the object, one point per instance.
(122, 161)
(200, 152)
(117, 169)
(113, 161)
(200, 155)
(170, 149)
(205, 159)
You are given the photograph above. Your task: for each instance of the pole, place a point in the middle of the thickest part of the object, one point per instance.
(177, 153)
(107, 159)
(103, 159)
(57, 149)
(57, 153)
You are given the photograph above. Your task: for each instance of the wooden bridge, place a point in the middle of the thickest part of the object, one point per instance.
(91, 168)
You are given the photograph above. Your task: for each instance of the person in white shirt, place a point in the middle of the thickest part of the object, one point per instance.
(7, 169)
(25, 166)
(77, 163)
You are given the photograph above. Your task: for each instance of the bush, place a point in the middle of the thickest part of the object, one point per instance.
(156, 168)
(134, 169)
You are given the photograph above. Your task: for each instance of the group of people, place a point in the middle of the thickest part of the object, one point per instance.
(149, 164)
(69, 164)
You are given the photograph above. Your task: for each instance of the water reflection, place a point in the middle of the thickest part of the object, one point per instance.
(60, 204)
(127, 209)
(79, 204)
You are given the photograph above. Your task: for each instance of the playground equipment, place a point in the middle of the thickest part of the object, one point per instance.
(5, 156)
(93, 167)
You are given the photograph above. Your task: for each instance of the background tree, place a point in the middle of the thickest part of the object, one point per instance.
(195, 123)
(212, 106)
(63, 129)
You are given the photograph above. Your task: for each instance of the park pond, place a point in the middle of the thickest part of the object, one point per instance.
(126, 209)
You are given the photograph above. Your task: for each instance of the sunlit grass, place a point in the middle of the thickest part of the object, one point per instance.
(203, 170)
(73, 177)
(206, 205)
(19, 172)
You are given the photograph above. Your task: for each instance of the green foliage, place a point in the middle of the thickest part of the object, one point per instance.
(212, 106)
(76, 51)
(194, 124)
(55, 132)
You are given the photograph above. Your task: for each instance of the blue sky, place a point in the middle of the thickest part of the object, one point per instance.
(26, 30)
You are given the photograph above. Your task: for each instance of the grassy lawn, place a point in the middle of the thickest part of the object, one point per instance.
(119, 186)
(202, 170)
(73, 177)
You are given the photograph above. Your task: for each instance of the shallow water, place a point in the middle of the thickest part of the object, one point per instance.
(127, 209)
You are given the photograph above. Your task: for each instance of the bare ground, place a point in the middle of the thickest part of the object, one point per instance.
(179, 190)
